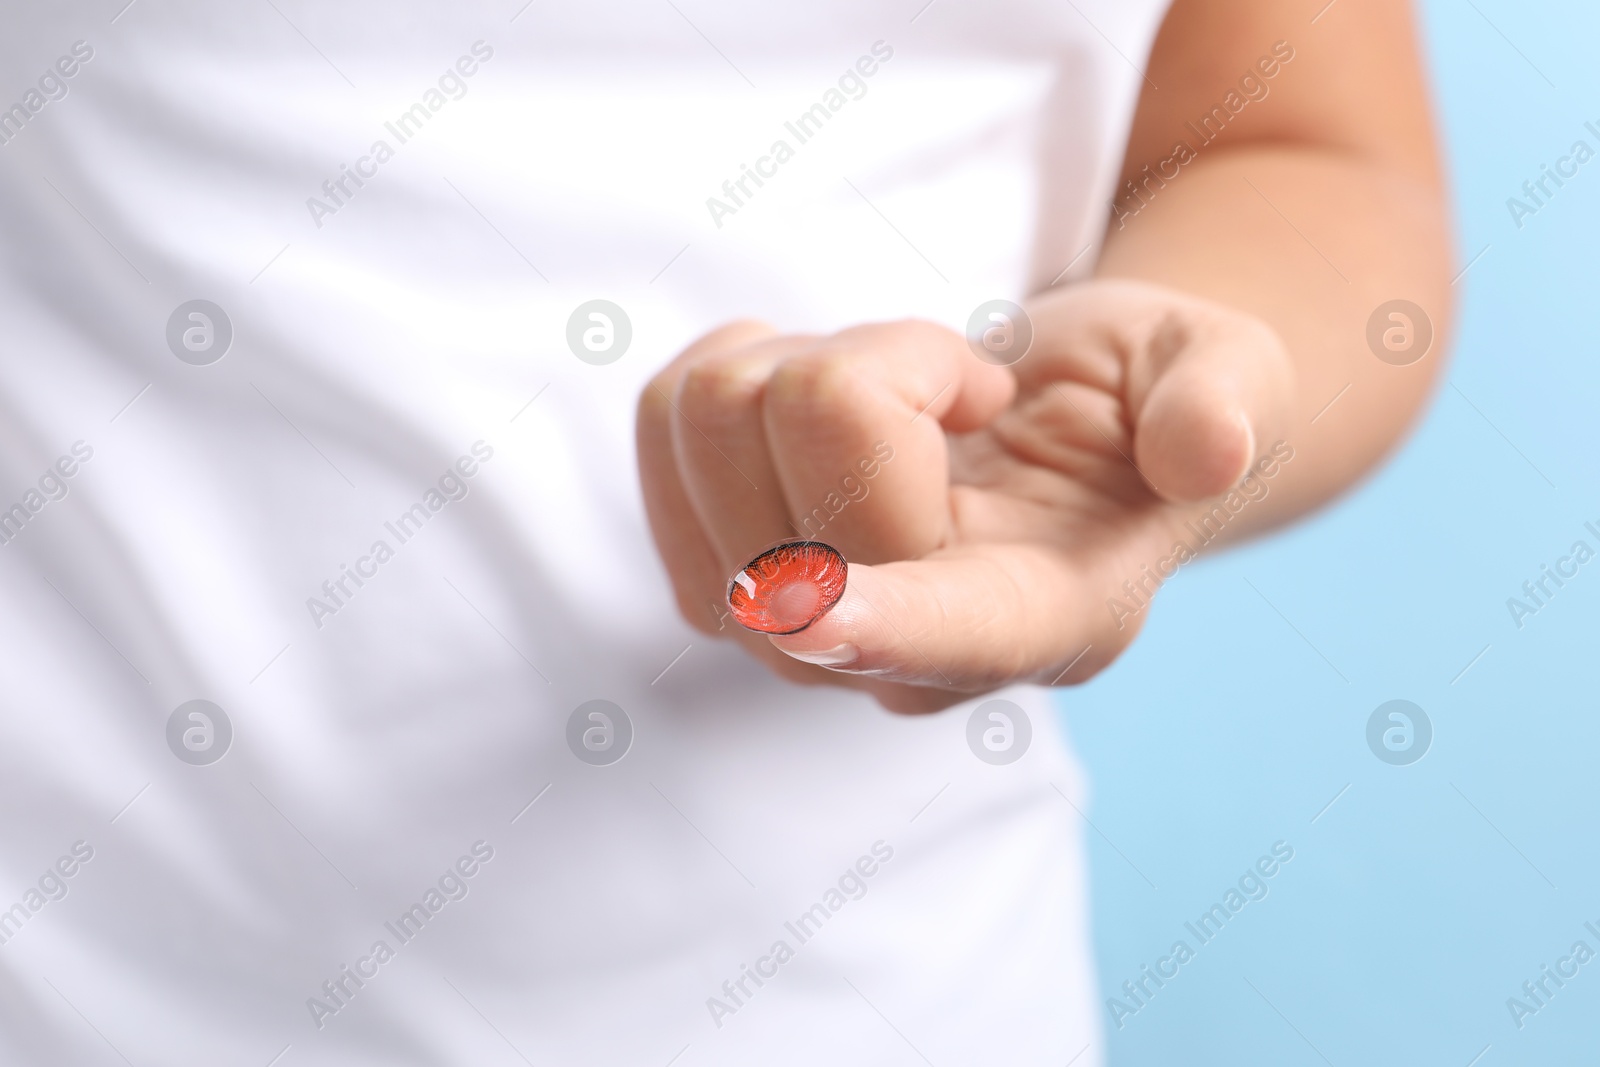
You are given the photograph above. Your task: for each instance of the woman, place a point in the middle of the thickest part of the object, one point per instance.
(352, 720)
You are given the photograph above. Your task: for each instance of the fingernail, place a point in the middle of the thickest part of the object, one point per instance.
(837, 656)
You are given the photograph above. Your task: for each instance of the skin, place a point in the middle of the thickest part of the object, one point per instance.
(1222, 319)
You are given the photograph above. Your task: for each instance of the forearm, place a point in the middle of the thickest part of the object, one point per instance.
(1311, 242)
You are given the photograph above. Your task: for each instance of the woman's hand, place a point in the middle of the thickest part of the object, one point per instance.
(1020, 500)
(994, 545)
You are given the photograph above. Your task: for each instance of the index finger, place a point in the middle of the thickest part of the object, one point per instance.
(857, 425)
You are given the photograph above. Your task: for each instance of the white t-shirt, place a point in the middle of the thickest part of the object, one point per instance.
(393, 539)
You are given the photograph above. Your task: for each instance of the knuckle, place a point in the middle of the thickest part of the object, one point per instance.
(654, 407)
(900, 333)
(814, 385)
(730, 335)
(716, 392)
(920, 333)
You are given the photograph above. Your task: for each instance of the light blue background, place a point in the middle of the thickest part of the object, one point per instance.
(1425, 897)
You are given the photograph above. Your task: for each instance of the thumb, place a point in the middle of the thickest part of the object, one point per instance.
(965, 620)
(1205, 390)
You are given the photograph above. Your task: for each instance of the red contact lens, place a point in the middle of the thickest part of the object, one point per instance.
(787, 588)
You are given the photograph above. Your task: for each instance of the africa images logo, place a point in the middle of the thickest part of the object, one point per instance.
(1399, 733)
(199, 732)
